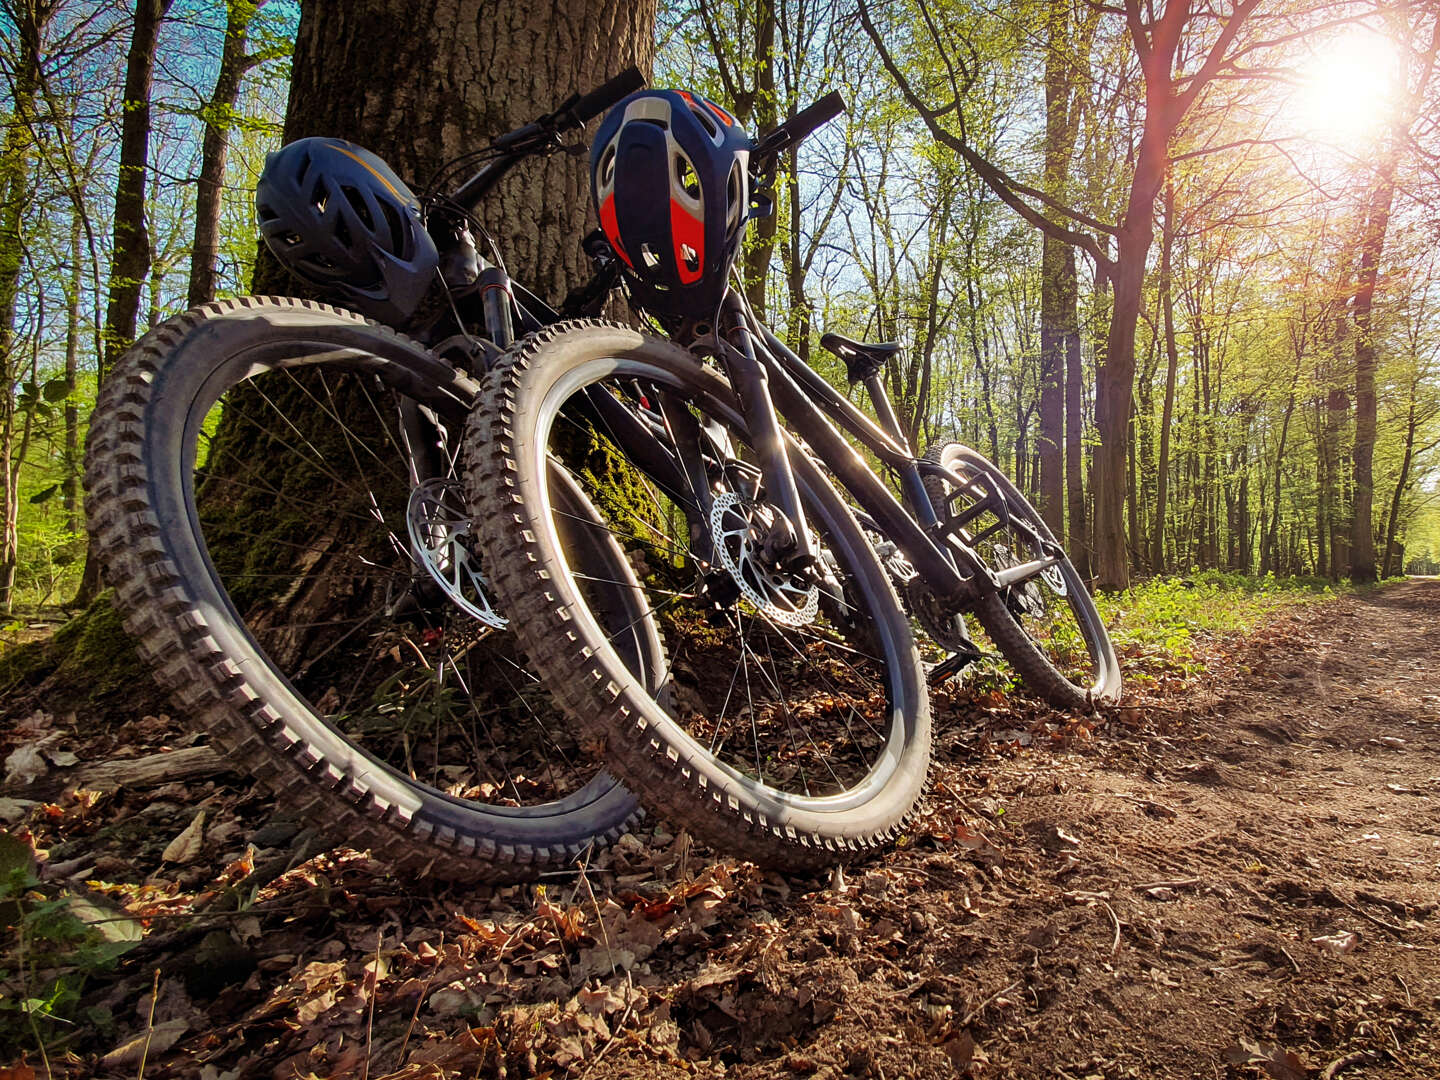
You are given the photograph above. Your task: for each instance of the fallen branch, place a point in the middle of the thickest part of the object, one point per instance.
(192, 763)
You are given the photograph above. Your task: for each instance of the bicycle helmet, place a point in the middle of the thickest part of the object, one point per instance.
(669, 172)
(336, 215)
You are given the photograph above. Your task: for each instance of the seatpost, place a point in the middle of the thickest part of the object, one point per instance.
(790, 545)
(910, 479)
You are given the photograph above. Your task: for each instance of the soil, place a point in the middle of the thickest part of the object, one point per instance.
(1236, 877)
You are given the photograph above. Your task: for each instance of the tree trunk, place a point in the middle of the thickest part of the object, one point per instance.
(1172, 360)
(450, 75)
(218, 114)
(70, 484)
(130, 263)
(1057, 288)
(1372, 246)
(1077, 539)
(16, 186)
(1401, 483)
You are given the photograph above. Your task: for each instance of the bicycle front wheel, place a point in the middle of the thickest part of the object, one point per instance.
(272, 490)
(1047, 625)
(797, 731)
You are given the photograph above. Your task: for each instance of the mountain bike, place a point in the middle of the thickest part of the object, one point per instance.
(797, 729)
(272, 487)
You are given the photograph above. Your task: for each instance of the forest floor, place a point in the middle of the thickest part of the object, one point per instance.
(1233, 877)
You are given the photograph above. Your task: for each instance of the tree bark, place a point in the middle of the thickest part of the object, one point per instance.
(16, 187)
(1172, 361)
(1057, 286)
(218, 114)
(1077, 538)
(421, 83)
(1372, 246)
(130, 261)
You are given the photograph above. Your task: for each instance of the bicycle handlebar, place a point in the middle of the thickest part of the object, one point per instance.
(571, 113)
(602, 97)
(797, 127)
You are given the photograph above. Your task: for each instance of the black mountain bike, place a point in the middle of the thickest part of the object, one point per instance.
(797, 726)
(272, 487)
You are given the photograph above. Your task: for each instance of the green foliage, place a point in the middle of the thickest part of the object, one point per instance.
(54, 942)
(1158, 625)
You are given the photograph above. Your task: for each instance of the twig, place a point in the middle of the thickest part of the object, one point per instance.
(978, 1009)
(1114, 945)
(374, 993)
(1177, 883)
(424, 990)
(629, 979)
(1291, 959)
(1403, 986)
(149, 1025)
(1398, 931)
(1358, 1057)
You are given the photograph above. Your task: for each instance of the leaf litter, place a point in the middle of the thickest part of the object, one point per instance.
(1152, 894)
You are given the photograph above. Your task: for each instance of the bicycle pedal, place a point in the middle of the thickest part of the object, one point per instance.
(953, 665)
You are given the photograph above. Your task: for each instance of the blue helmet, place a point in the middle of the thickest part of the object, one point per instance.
(336, 215)
(669, 172)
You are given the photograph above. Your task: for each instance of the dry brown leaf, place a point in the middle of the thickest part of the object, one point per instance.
(1280, 1063)
(161, 1038)
(186, 847)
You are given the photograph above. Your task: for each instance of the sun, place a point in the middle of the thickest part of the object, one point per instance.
(1348, 88)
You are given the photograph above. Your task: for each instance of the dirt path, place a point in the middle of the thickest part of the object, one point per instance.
(1248, 875)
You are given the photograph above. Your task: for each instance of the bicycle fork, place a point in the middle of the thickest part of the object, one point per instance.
(789, 542)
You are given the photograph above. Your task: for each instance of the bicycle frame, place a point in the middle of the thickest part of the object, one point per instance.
(768, 377)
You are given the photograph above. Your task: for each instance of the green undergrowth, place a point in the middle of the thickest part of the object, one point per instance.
(1161, 625)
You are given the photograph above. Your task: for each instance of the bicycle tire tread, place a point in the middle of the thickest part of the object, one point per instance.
(172, 637)
(646, 760)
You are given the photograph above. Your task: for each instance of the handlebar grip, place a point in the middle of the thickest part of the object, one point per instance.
(812, 116)
(601, 98)
(797, 127)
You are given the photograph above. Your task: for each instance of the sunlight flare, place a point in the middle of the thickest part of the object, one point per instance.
(1349, 87)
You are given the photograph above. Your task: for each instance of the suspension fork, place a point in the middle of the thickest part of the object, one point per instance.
(790, 541)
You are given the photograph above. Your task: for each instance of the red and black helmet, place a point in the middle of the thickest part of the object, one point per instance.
(669, 172)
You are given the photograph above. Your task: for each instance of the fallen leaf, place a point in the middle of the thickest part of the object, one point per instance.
(186, 847)
(26, 764)
(1274, 1059)
(160, 1038)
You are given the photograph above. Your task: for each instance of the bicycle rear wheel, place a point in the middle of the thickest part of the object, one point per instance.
(272, 490)
(1046, 626)
(798, 727)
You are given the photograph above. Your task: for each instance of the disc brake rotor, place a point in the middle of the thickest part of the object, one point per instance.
(736, 525)
(440, 537)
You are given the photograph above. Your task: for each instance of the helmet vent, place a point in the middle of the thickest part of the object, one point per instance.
(607, 166)
(342, 232)
(686, 176)
(648, 257)
(266, 212)
(691, 260)
(398, 236)
(705, 121)
(353, 197)
(319, 195)
(657, 121)
(302, 167)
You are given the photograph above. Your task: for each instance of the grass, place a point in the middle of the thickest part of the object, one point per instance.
(1159, 625)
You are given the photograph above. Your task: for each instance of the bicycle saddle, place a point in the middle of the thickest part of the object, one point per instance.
(861, 360)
